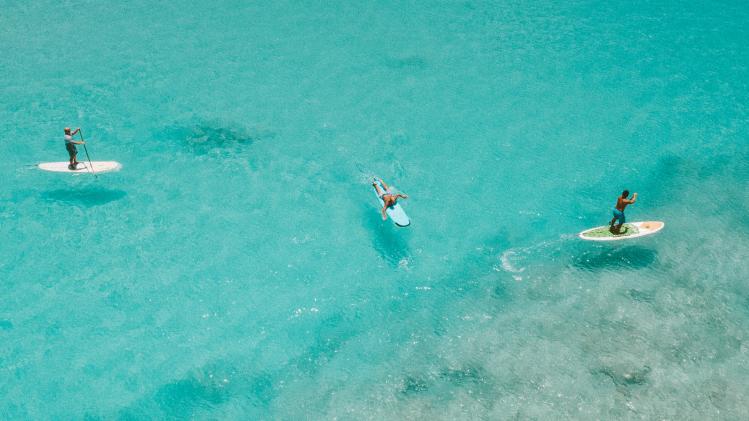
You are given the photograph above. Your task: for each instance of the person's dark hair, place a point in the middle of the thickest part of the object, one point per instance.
(625, 193)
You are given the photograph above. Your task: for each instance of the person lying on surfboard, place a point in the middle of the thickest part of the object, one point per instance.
(387, 196)
(70, 146)
(621, 203)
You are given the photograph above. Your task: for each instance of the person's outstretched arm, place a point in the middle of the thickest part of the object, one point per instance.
(74, 132)
(384, 214)
(405, 196)
(634, 199)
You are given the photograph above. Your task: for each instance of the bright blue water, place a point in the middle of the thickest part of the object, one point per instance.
(237, 267)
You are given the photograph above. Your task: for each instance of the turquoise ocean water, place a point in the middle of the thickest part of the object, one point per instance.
(237, 268)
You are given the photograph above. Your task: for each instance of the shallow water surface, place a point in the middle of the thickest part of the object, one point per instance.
(237, 266)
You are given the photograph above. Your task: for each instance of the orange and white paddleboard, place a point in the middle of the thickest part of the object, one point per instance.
(629, 230)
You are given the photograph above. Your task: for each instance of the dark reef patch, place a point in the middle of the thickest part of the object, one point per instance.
(641, 296)
(414, 385)
(331, 337)
(409, 62)
(626, 377)
(206, 136)
(183, 397)
(464, 376)
(475, 380)
(262, 389)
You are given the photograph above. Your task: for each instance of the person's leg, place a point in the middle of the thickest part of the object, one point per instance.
(622, 220)
(613, 220)
(621, 223)
(377, 189)
(384, 185)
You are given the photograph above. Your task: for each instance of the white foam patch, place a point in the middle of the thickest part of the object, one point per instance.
(509, 260)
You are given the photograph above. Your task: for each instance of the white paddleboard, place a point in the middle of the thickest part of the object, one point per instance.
(629, 230)
(82, 168)
(395, 213)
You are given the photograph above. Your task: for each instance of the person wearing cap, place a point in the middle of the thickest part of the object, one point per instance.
(70, 146)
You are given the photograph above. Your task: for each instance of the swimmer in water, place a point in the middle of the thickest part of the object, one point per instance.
(389, 199)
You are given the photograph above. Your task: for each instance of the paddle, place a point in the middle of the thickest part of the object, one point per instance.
(90, 165)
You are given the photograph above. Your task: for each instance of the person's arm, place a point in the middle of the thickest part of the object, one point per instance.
(73, 133)
(405, 196)
(384, 215)
(634, 199)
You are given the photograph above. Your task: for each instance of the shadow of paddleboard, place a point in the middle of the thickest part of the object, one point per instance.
(388, 240)
(86, 197)
(606, 258)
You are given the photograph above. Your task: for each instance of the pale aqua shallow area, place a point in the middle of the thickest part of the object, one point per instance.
(237, 268)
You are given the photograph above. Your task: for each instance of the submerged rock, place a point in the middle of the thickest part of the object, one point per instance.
(626, 377)
(204, 136)
(414, 385)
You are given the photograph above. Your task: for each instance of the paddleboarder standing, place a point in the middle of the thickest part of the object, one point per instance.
(621, 203)
(70, 146)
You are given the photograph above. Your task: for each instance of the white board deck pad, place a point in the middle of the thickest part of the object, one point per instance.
(629, 230)
(82, 168)
(395, 213)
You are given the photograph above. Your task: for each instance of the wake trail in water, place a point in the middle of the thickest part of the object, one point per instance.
(365, 175)
(516, 260)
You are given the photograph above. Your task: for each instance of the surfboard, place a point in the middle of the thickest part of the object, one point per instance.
(629, 231)
(82, 168)
(395, 213)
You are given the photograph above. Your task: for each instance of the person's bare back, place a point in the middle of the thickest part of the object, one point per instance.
(622, 202)
(389, 199)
